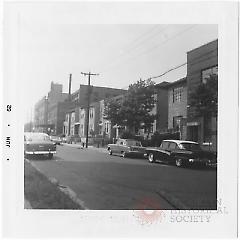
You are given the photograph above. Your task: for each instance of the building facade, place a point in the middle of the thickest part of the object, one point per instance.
(201, 63)
(57, 108)
(177, 107)
(41, 115)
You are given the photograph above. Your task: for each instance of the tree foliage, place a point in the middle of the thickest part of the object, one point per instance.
(134, 111)
(112, 111)
(205, 97)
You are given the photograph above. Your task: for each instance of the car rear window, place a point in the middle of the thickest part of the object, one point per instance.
(164, 145)
(37, 137)
(172, 146)
(134, 143)
(190, 146)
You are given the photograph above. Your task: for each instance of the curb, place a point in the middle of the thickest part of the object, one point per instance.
(65, 189)
(175, 202)
(78, 146)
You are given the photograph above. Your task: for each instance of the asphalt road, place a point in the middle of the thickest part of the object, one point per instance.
(109, 182)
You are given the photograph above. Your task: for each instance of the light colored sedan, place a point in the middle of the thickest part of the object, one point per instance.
(127, 147)
(38, 144)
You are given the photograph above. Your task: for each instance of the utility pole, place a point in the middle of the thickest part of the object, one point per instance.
(69, 99)
(88, 100)
(69, 86)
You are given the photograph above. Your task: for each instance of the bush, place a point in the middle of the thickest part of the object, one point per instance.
(157, 138)
(127, 135)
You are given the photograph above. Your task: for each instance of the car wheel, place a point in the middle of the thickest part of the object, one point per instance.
(179, 162)
(50, 155)
(109, 151)
(151, 158)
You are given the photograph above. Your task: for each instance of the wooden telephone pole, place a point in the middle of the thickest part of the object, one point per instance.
(88, 100)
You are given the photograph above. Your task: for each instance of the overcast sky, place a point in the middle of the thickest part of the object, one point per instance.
(51, 47)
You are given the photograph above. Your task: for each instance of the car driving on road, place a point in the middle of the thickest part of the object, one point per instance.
(38, 144)
(56, 139)
(127, 147)
(180, 153)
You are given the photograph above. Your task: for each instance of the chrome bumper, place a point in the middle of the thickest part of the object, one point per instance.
(40, 152)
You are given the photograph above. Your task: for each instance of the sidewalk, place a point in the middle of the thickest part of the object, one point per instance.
(79, 146)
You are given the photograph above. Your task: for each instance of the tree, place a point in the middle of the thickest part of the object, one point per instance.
(138, 104)
(134, 112)
(205, 99)
(112, 111)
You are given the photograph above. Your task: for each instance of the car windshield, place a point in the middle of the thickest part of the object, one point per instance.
(38, 137)
(190, 146)
(134, 143)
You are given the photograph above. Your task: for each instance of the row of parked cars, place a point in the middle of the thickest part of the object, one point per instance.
(178, 152)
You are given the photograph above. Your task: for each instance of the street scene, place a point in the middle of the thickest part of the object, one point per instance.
(137, 133)
(109, 182)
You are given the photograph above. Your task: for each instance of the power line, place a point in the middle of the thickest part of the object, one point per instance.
(126, 53)
(170, 70)
(153, 48)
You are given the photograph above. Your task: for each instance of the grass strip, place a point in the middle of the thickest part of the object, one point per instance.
(42, 194)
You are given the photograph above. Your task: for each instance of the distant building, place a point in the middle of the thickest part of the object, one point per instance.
(50, 111)
(41, 115)
(80, 96)
(69, 123)
(201, 63)
(79, 99)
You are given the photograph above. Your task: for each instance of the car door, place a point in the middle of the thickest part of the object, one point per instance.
(122, 145)
(163, 153)
(117, 147)
(171, 149)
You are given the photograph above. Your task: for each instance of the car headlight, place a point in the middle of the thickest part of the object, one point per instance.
(191, 160)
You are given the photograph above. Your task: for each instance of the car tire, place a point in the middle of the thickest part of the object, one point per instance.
(179, 162)
(151, 158)
(50, 155)
(109, 151)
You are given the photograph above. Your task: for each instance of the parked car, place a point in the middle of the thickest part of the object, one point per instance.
(38, 144)
(126, 147)
(56, 139)
(73, 139)
(180, 153)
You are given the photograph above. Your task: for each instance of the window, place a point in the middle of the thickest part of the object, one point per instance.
(172, 146)
(177, 94)
(164, 145)
(208, 72)
(177, 122)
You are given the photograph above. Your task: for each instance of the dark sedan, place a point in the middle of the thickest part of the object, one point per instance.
(180, 153)
(38, 144)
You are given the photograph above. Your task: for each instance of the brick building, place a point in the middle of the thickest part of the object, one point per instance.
(96, 94)
(201, 63)
(50, 111)
(41, 115)
(162, 106)
(177, 107)
(57, 108)
(79, 99)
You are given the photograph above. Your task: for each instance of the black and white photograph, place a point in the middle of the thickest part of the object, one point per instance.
(120, 114)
